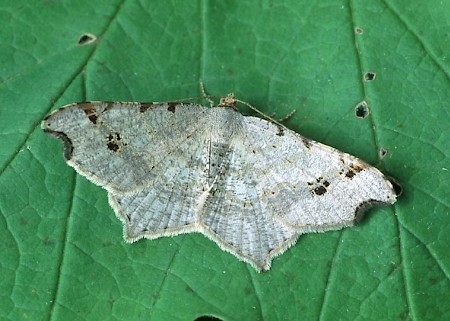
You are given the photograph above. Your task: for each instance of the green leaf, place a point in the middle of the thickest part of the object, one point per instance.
(62, 253)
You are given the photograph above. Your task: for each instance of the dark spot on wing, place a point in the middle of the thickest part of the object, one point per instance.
(109, 105)
(145, 106)
(350, 174)
(319, 186)
(171, 107)
(354, 169)
(280, 131)
(307, 142)
(320, 190)
(113, 146)
(343, 163)
(90, 111)
(114, 143)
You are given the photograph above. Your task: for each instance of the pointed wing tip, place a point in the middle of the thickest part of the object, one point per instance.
(66, 142)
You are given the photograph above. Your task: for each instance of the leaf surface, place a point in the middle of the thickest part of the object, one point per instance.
(62, 253)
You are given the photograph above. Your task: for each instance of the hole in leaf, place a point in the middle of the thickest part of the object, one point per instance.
(369, 76)
(362, 110)
(86, 39)
(359, 31)
(398, 189)
(382, 152)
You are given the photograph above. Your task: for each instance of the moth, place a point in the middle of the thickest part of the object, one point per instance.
(249, 184)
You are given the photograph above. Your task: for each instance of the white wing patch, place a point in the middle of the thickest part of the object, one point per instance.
(249, 185)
